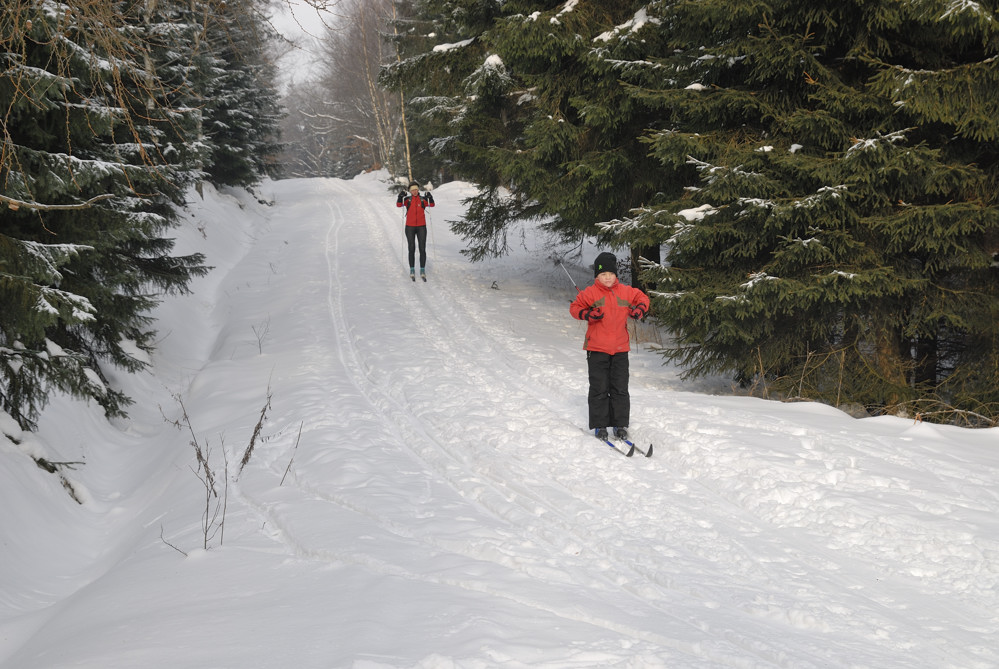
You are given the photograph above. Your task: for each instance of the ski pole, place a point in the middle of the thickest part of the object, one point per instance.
(433, 241)
(568, 275)
(402, 244)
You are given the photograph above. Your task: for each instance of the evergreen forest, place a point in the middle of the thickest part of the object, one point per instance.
(808, 190)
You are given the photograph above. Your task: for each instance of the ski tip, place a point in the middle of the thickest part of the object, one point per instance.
(649, 453)
(631, 451)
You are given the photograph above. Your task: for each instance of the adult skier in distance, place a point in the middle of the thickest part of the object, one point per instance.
(416, 226)
(606, 306)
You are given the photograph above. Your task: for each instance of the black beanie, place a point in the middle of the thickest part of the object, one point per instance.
(605, 262)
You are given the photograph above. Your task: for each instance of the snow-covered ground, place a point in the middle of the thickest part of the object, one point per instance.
(421, 492)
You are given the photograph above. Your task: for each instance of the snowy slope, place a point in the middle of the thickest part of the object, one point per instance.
(421, 492)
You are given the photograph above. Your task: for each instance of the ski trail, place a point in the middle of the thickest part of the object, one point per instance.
(504, 531)
(494, 543)
(449, 453)
(559, 520)
(532, 494)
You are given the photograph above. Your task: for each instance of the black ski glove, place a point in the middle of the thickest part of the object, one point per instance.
(638, 312)
(592, 315)
(398, 200)
(430, 198)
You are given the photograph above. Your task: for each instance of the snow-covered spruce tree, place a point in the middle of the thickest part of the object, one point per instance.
(840, 166)
(30, 363)
(481, 116)
(438, 45)
(180, 72)
(578, 154)
(241, 109)
(90, 192)
(535, 112)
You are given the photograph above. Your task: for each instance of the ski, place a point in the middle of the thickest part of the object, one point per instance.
(630, 452)
(647, 453)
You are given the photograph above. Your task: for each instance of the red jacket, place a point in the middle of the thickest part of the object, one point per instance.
(609, 334)
(415, 215)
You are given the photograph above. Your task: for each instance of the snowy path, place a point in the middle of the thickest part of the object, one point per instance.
(452, 399)
(443, 507)
(505, 497)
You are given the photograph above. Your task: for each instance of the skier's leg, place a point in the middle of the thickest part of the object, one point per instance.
(598, 368)
(620, 398)
(421, 233)
(411, 240)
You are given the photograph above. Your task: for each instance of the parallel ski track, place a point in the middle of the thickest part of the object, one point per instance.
(441, 456)
(545, 509)
(470, 354)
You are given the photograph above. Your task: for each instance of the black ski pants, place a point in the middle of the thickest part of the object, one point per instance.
(609, 401)
(414, 233)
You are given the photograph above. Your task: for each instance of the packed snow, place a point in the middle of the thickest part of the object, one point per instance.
(421, 491)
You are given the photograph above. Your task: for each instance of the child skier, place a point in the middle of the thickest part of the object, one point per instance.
(606, 306)
(416, 226)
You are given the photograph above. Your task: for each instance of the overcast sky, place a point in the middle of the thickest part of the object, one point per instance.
(302, 24)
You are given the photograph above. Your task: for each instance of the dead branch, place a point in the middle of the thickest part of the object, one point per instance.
(18, 204)
(170, 544)
(256, 433)
(293, 452)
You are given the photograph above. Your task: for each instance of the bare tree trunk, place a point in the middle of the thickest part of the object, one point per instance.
(345, 113)
(147, 60)
(402, 102)
(378, 109)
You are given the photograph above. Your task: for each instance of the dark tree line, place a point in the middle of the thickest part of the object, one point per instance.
(820, 178)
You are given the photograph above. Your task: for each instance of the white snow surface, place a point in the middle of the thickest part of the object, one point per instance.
(422, 492)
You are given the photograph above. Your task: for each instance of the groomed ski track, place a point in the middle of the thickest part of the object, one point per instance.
(419, 401)
(459, 443)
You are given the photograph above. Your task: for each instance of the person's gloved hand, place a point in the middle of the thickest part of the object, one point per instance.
(638, 312)
(430, 198)
(398, 200)
(591, 315)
